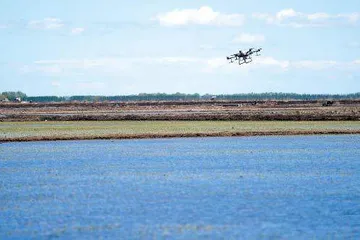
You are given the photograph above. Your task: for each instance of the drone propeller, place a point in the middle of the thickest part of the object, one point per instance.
(257, 51)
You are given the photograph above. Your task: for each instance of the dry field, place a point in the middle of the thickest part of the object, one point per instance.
(344, 110)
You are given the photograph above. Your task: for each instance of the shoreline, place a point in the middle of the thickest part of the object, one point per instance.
(180, 135)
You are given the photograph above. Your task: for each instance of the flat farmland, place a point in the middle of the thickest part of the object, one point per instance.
(183, 110)
(122, 120)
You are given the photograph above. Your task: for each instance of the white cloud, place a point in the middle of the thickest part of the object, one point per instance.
(170, 60)
(99, 65)
(55, 84)
(351, 17)
(277, 18)
(280, 16)
(315, 65)
(258, 62)
(249, 38)
(270, 61)
(57, 67)
(292, 18)
(318, 16)
(216, 62)
(48, 69)
(77, 31)
(118, 66)
(46, 23)
(88, 85)
(286, 13)
(51, 69)
(202, 16)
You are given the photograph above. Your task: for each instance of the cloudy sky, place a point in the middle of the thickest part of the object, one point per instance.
(115, 47)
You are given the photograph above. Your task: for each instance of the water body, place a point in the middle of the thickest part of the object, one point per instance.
(286, 187)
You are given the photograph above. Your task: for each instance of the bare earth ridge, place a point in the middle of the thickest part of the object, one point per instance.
(125, 120)
(183, 110)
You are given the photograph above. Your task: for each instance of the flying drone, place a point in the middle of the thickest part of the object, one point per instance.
(242, 57)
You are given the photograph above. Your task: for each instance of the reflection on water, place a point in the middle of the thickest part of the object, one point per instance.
(230, 188)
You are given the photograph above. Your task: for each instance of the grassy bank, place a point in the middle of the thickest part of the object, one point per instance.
(33, 131)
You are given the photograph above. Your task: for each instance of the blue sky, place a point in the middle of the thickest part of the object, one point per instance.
(119, 47)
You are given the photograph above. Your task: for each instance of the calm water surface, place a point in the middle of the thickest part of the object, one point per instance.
(293, 187)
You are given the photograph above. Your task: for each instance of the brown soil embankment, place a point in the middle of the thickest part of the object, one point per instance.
(184, 110)
(179, 135)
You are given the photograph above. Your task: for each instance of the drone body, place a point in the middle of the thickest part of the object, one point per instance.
(242, 57)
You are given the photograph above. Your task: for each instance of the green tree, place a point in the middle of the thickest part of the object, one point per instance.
(13, 95)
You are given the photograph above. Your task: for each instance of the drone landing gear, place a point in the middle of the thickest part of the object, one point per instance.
(244, 61)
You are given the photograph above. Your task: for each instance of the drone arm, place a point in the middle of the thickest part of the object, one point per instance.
(257, 51)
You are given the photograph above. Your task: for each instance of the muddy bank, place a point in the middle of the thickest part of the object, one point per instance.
(185, 117)
(178, 135)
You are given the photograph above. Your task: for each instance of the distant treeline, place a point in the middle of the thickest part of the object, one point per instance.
(11, 96)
